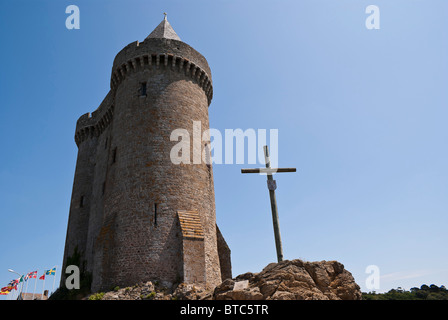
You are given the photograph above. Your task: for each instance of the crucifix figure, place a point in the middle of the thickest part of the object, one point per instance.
(272, 186)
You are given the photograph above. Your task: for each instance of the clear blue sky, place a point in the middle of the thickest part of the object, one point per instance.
(361, 114)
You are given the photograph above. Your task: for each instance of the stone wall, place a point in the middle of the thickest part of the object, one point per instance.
(224, 256)
(128, 229)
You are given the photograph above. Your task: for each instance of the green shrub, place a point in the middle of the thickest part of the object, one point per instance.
(97, 296)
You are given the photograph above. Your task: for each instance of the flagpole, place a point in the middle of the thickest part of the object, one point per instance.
(43, 288)
(21, 288)
(54, 278)
(35, 283)
(16, 291)
(26, 288)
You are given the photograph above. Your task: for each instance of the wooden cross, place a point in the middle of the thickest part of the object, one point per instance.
(272, 186)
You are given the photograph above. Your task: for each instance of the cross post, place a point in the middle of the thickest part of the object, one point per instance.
(272, 186)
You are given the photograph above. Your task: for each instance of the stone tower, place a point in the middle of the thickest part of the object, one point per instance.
(134, 215)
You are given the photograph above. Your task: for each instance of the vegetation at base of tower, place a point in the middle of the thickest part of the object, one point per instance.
(425, 292)
(149, 296)
(85, 280)
(97, 296)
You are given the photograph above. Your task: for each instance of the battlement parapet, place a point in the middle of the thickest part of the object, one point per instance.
(93, 124)
(162, 53)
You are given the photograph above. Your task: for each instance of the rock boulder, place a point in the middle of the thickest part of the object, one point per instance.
(292, 280)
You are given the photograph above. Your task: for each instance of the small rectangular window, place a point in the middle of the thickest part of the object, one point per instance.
(143, 89)
(114, 155)
(155, 214)
(81, 202)
(104, 188)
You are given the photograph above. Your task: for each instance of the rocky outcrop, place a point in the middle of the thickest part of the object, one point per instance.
(287, 280)
(292, 280)
(152, 290)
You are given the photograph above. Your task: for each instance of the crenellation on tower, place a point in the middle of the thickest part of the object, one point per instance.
(200, 72)
(94, 123)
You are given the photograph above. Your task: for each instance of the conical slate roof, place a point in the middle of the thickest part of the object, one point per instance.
(164, 30)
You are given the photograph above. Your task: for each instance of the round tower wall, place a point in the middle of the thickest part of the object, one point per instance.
(140, 238)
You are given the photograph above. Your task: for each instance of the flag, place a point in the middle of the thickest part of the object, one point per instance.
(32, 275)
(5, 289)
(42, 277)
(4, 293)
(12, 282)
(20, 279)
(51, 272)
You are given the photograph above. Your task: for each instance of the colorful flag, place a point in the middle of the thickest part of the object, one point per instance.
(4, 293)
(42, 277)
(51, 272)
(13, 282)
(31, 275)
(20, 279)
(4, 289)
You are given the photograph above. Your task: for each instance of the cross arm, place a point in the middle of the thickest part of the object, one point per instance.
(268, 170)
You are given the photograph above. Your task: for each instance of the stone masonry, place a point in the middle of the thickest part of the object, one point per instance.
(134, 215)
